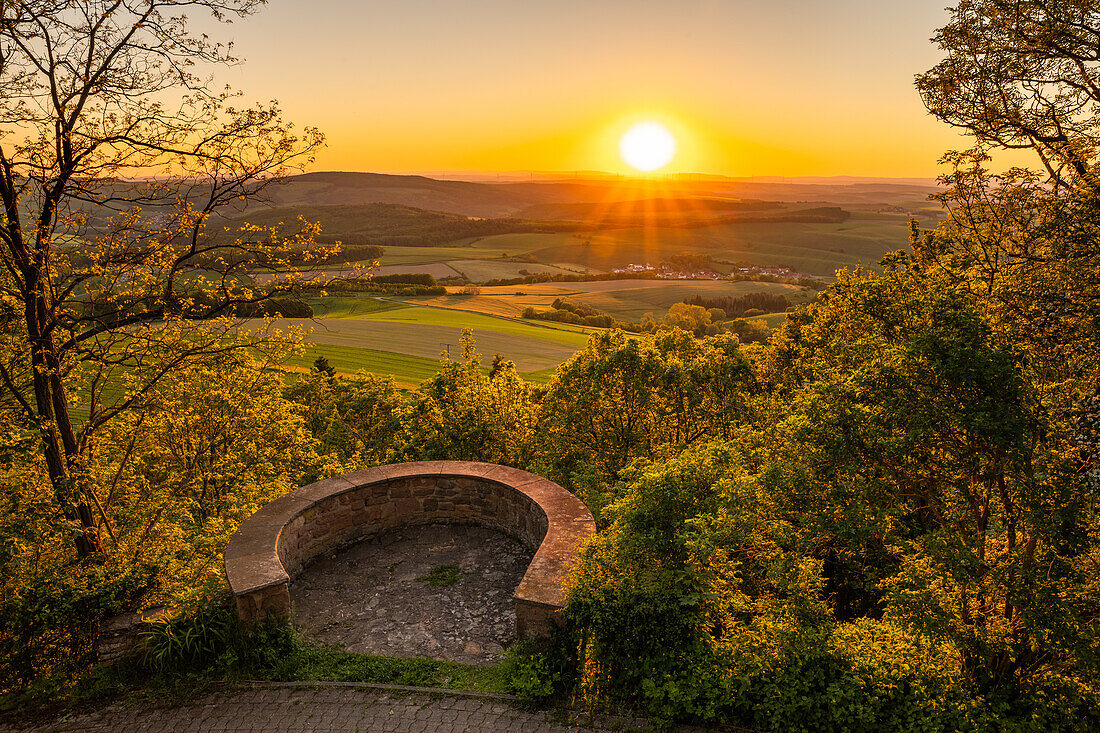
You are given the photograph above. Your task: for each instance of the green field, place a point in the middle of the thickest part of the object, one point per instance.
(407, 370)
(404, 337)
(407, 341)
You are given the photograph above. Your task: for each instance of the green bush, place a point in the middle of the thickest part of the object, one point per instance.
(190, 639)
(542, 668)
(51, 628)
(701, 603)
(209, 634)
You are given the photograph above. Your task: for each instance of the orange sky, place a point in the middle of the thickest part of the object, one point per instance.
(785, 87)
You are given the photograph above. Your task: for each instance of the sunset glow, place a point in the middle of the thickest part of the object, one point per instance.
(559, 96)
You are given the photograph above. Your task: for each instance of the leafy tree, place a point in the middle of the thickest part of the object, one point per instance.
(623, 398)
(108, 282)
(692, 318)
(181, 474)
(1022, 74)
(735, 306)
(1030, 257)
(935, 476)
(178, 477)
(463, 414)
(353, 419)
(321, 366)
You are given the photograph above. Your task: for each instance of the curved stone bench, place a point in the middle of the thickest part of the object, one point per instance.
(273, 545)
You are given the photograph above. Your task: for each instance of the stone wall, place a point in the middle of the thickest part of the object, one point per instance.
(275, 544)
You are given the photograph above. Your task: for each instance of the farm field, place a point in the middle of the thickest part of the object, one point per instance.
(816, 249)
(624, 299)
(407, 371)
(404, 336)
(406, 341)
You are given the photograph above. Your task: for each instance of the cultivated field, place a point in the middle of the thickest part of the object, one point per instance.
(406, 341)
(624, 299)
(404, 336)
(816, 249)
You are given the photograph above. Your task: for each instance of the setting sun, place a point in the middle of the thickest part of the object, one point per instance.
(647, 146)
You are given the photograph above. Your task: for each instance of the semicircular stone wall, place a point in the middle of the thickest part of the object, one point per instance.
(272, 546)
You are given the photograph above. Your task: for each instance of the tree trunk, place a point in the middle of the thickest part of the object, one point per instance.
(55, 426)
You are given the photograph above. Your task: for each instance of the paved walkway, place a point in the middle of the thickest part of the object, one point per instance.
(334, 709)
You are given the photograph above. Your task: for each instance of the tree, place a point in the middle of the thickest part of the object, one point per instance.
(463, 414)
(934, 475)
(218, 442)
(1023, 74)
(111, 278)
(624, 398)
(321, 366)
(692, 318)
(353, 419)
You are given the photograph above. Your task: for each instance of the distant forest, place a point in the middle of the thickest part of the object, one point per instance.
(737, 306)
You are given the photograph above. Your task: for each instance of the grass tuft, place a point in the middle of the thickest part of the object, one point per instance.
(441, 576)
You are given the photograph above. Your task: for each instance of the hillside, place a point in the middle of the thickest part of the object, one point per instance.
(510, 199)
(393, 224)
(457, 197)
(684, 212)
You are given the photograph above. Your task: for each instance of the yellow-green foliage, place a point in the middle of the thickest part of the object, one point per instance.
(623, 397)
(218, 443)
(464, 414)
(354, 419)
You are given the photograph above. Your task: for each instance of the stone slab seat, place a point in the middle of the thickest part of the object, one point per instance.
(272, 546)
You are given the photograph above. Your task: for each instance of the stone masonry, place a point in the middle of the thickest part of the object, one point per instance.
(283, 537)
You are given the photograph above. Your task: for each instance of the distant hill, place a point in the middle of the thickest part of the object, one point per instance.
(701, 206)
(344, 189)
(683, 212)
(392, 224)
(514, 199)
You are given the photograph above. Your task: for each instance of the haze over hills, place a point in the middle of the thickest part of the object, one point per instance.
(591, 224)
(483, 199)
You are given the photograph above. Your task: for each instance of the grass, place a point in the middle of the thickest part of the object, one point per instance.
(329, 664)
(290, 658)
(774, 320)
(444, 315)
(354, 305)
(441, 576)
(624, 299)
(488, 269)
(407, 370)
(631, 299)
(404, 337)
(426, 332)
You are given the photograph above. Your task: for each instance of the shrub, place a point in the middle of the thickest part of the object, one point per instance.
(50, 629)
(209, 634)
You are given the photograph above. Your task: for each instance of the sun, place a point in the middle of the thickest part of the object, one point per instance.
(647, 146)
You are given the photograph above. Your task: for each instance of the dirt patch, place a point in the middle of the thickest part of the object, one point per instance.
(440, 591)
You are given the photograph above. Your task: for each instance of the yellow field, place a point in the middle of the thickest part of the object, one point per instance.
(624, 299)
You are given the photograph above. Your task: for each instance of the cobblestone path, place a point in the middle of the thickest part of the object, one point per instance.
(370, 597)
(336, 709)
